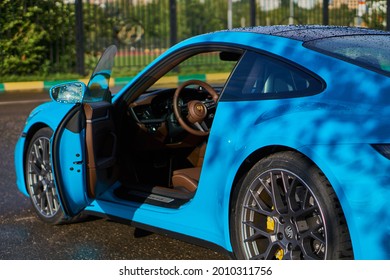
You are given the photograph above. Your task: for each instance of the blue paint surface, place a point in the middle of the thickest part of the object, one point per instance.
(335, 129)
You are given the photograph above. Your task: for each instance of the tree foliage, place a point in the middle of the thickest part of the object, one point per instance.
(27, 29)
(38, 36)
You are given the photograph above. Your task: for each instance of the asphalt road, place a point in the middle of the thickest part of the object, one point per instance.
(24, 237)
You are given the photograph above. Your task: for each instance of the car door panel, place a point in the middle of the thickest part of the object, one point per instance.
(84, 155)
(68, 150)
(101, 143)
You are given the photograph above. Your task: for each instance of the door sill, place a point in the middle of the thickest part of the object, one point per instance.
(155, 195)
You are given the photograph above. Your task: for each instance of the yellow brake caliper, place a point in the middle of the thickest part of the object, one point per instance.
(271, 228)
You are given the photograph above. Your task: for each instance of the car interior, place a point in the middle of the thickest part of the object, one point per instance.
(156, 153)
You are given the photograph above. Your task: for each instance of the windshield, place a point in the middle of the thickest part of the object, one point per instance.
(98, 85)
(369, 51)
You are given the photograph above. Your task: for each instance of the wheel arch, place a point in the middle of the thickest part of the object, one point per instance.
(251, 160)
(246, 165)
(28, 136)
(261, 153)
(33, 129)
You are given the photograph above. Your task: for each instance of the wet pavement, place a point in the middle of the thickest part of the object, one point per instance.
(24, 237)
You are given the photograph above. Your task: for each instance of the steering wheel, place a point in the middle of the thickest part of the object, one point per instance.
(197, 110)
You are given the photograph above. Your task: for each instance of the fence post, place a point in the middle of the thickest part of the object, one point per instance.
(80, 66)
(172, 22)
(230, 14)
(388, 15)
(252, 7)
(325, 12)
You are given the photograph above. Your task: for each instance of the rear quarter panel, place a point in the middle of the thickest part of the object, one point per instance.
(334, 129)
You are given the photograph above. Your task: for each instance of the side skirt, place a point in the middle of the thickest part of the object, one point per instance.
(164, 232)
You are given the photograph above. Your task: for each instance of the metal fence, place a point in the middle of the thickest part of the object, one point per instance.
(142, 29)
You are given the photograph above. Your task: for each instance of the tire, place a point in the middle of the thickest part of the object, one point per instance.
(39, 178)
(285, 208)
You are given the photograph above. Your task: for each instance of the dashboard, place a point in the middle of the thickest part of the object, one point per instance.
(153, 111)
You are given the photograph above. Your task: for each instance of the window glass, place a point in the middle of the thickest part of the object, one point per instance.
(213, 67)
(262, 77)
(369, 51)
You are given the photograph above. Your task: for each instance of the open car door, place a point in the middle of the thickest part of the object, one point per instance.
(84, 145)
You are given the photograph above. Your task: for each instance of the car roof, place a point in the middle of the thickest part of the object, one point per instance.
(307, 33)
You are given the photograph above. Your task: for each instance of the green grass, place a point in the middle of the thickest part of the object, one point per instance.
(130, 65)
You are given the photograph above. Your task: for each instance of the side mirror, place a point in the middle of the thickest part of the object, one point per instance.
(70, 93)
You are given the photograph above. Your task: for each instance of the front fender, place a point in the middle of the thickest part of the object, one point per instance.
(45, 115)
(50, 114)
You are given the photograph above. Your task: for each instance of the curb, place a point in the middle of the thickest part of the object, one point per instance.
(45, 85)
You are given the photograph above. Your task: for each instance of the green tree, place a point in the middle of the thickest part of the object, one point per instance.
(197, 17)
(342, 16)
(156, 24)
(27, 31)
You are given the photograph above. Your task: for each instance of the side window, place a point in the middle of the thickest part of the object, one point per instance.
(261, 77)
(211, 66)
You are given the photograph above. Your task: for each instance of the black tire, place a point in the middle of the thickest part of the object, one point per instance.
(285, 208)
(39, 178)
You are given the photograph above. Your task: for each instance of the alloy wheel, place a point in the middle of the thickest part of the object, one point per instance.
(281, 219)
(40, 178)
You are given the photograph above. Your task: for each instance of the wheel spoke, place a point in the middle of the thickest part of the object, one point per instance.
(37, 152)
(37, 187)
(45, 153)
(35, 170)
(258, 233)
(54, 196)
(285, 180)
(269, 253)
(292, 195)
(317, 236)
(257, 210)
(262, 208)
(43, 202)
(277, 196)
(266, 187)
(50, 202)
(308, 200)
(304, 213)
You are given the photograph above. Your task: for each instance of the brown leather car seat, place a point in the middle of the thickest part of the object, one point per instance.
(188, 178)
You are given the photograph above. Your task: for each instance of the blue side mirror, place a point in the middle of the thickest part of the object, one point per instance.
(70, 93)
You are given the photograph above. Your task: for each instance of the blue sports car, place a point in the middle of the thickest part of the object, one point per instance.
(279, 148)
